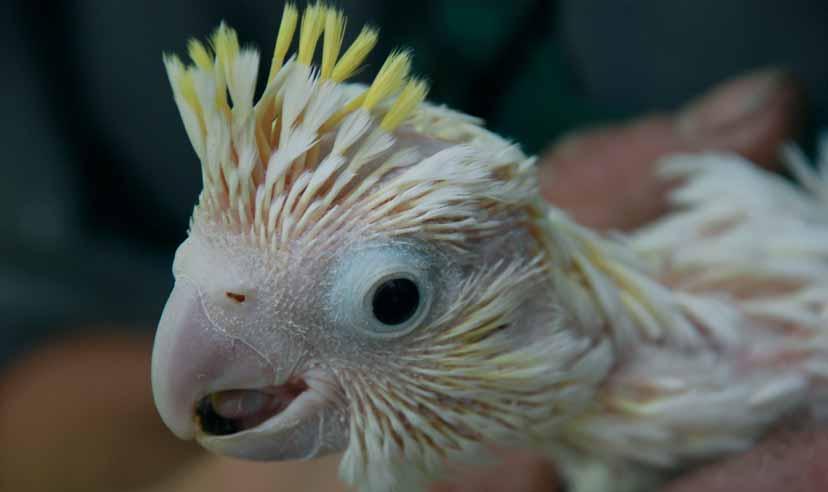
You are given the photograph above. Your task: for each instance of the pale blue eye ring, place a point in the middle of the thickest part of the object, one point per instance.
(383, 291)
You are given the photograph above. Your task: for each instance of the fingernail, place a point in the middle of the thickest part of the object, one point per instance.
(730, 103)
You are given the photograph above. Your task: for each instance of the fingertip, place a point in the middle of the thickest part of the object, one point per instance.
(752, 115)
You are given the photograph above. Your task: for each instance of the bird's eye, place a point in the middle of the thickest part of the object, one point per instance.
(395, 301)
(383, 291)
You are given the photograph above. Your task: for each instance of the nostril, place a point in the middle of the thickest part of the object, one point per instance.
(240, 298)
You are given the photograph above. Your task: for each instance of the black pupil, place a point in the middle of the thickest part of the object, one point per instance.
(396, 301)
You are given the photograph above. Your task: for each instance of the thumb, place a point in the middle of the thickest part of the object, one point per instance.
(604, 177)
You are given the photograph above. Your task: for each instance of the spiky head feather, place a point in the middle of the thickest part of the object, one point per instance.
(313, 150)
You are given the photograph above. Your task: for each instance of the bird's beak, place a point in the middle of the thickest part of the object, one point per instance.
(193, 358)
(216, 388)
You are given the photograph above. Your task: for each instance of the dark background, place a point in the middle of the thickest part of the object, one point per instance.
(99, 180)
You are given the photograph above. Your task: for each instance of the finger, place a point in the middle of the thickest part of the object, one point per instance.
(605, 177)
(789, 460)
(519, 471)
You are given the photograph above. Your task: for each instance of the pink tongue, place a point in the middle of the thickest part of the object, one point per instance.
(249, 408)
(238, 404)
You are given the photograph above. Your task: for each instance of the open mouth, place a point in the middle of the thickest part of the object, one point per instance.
(229, 412)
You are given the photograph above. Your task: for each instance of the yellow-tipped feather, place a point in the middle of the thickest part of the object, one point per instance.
(290, 17)
(226, 45)
(199, 54)
(296, 110)
(313, 23)
(411, 96)
(334, 33)
(389, 79)
(355, 54)
(187, 88)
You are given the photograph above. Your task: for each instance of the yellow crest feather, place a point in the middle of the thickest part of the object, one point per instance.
(334, 35)
(411, 96)
(313, 23)
(290, 17)
(355, 54)
(267, 169)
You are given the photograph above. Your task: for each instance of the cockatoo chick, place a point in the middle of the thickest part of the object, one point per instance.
(371, 274)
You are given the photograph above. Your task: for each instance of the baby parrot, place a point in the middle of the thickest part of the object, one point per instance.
(371, 274)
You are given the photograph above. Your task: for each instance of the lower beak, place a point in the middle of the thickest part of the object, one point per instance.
(192, 358)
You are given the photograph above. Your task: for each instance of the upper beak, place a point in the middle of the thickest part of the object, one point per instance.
(192, 358)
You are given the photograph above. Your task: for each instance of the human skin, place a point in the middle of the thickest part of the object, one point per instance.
(79, 413)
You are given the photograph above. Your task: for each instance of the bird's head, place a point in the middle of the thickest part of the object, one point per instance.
(362, 271)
